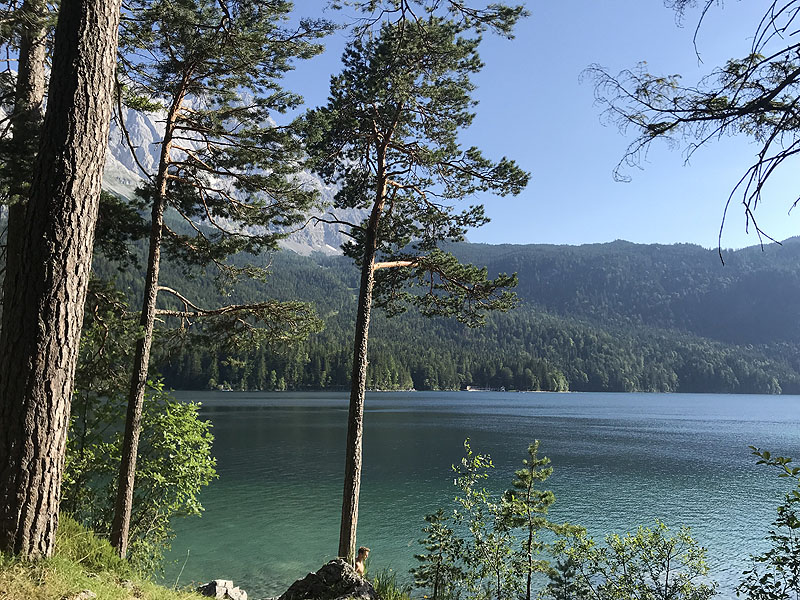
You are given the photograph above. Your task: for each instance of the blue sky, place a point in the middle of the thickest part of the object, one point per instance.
(535, 108)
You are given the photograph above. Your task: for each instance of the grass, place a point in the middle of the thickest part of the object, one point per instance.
(385, 583)
(81, 562)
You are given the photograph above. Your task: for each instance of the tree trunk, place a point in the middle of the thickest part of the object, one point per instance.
(28, 99)
(436, 577)
(123, 506)
(358, 382)
(355, 419)
(48, 274)
(529, 576)
(120, 528)
(528, 506)
(26, 122)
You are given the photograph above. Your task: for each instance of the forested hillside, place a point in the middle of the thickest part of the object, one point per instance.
(750, 299)
(616, 317)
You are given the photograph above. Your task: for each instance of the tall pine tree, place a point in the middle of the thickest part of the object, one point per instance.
(48, 263)
(389, 137)
(212, 69)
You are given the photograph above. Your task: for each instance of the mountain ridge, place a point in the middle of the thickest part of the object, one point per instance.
(617, 315)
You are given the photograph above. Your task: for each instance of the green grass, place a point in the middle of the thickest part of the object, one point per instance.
(385, 583)
(82, 561)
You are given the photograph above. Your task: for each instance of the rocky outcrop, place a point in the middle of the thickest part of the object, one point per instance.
(336, 580)
(222, 589)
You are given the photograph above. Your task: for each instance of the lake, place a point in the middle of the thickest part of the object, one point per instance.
(620, 460)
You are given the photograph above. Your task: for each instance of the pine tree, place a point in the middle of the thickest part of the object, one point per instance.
(564, 583)
(48, 264)
(439, 568)
(528, 508)
(213, 69)
(28, 29)
(389, 137)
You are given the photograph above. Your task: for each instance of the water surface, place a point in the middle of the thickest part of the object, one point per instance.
(620, 460)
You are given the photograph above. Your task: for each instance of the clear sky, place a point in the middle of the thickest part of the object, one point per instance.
(535, 108)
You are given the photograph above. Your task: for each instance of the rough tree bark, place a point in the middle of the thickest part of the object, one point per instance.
(48, 273)
(120, 528)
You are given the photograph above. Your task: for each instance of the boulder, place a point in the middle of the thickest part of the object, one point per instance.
(336, 580)
(222, 589)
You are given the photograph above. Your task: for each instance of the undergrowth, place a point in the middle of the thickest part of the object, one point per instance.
(81, 562)
(385, 583)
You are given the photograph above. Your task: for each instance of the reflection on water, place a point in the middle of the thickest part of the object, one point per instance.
(620, 460)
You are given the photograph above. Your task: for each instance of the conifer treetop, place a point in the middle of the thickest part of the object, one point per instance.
(389, 138)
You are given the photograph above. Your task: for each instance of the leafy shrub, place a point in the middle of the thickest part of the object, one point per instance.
(494, 547)
(775, 574)
(650, 564)
(174, 461)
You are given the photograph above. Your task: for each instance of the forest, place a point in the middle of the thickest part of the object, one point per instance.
(609, 317)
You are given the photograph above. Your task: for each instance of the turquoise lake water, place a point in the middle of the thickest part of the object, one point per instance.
(620, 460)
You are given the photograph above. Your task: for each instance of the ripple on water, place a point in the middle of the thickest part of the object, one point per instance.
(620, 461)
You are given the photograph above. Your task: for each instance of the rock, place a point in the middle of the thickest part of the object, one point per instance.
(222, 589)
(83, 595)
(336, 580)
(131, 587)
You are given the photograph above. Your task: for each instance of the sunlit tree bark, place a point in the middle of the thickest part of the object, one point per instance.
(48, 273)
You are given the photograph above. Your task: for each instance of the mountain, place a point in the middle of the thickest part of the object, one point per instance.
(617, 316)
(125, 171)
(751, 298)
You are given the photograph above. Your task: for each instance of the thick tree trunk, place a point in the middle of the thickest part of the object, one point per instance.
(120, 528)
(358, 383)
(45, 288)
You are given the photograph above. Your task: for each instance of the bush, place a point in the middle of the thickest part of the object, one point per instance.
(775, 574)
(173, 465)
(649, 564)
(174, 461)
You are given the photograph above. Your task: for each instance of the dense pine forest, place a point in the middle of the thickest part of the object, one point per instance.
(602, 317)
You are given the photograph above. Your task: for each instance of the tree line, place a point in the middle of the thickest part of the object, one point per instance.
(549, 342)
